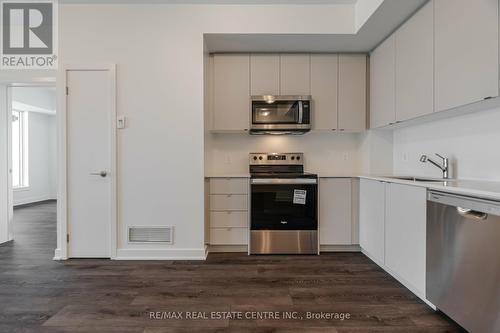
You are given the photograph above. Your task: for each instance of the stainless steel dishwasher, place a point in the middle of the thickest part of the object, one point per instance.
(463, 259)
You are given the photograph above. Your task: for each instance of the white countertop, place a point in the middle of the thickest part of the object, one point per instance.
(476, 188)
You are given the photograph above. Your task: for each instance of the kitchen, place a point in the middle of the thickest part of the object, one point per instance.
(404, 81)
(281, 151)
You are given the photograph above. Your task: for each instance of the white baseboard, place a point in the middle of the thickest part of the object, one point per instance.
(161, 254)
(58, 254)
(26, 201)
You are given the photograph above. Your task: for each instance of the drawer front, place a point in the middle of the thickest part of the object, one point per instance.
(229, 186)
(228, 202)
(228, 219)
(228, 236)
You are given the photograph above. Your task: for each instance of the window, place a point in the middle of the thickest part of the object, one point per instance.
(20, 149)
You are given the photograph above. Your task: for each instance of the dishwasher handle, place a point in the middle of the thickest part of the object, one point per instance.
(472, 214)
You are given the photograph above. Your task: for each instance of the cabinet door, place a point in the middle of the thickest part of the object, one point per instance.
(352, 93)
(295, 74)
(415, 65)
(231, 92)
(466, 51)
(324, 79)
(372, 218)
(405, 237)
(265, 74)
(382, 84)
(335, 211)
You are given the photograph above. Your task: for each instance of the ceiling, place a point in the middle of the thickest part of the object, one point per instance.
(386, 19)
(233, 2)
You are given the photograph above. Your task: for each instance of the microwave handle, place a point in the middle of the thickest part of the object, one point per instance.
(301, 111)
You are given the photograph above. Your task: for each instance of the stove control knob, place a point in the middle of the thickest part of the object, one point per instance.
(293, 157)
(260, 158)
(298, 158)
(255, 158)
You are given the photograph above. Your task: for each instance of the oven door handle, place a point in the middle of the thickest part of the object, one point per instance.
(258, 181)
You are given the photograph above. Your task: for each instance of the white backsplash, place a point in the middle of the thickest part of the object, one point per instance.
(472, 142)
(325, 153)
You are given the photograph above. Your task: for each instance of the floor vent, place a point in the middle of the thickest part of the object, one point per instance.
(151, 235)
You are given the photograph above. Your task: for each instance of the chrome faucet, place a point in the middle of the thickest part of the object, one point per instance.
(444, 166)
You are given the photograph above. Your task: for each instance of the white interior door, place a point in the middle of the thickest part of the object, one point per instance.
(90, 162)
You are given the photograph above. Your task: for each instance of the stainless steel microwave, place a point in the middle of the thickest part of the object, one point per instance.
(280, 114)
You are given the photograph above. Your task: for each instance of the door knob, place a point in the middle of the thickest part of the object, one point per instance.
(102, 174)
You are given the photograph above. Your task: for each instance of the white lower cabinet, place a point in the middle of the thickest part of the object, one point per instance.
(228, 211)
(392, 220)
(335, 213)
(228, 236)
(405, 238)
(372, 218)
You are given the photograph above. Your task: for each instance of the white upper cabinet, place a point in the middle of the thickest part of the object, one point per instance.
(335, 213)
(466, 51)
(295, 74)
(324, 89)
(405, 237)
(415, 65)
(265, 74)
(382, 84)
(372, 218)
(352, 93)
(231, 92)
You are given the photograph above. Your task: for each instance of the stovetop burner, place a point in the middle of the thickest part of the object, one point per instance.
(278, 165)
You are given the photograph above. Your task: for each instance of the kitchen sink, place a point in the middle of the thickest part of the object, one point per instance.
(420, 179)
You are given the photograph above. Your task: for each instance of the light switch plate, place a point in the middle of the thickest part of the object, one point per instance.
(121, 122)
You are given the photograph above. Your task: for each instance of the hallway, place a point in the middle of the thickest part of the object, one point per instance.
(118, 296)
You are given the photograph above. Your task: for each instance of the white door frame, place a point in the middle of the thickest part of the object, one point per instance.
(5, 112)
(61, 253)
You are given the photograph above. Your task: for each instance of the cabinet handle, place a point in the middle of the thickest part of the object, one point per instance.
(229, 195)
(489, 97)
(229, 212)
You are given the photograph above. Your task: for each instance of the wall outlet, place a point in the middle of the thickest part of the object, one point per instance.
(345, 156)
(405, 157)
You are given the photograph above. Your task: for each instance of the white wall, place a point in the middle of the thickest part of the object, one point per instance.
(470, 141)
(4, 209)
(41, 160)
(42, 99)
(325, 153)
(41, 143)
(158, 50)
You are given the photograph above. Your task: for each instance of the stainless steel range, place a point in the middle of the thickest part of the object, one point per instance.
(284, 205)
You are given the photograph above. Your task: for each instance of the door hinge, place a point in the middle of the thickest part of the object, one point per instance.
(67, 238)
(67, 91)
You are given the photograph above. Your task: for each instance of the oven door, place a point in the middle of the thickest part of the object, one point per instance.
(284, 204)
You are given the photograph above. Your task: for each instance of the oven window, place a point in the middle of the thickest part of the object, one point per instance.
(284, 207)
(276, 113)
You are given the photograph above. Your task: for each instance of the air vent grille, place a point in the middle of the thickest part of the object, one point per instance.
(145, 234)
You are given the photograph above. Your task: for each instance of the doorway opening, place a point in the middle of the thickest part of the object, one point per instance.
(32, 158)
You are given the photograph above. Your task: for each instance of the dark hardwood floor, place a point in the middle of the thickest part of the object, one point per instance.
(38, 294)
